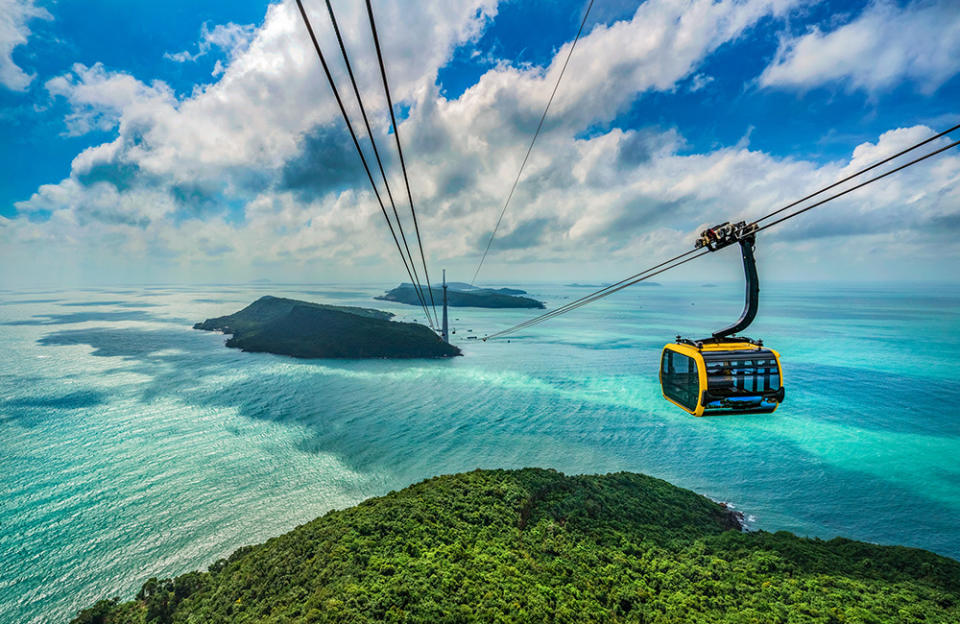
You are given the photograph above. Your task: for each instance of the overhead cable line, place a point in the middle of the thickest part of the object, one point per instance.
(532, 141)
(676, 261)
(356, 144)
(853, 188)
(630, 281)
(591, 297)
(588, 298)
(403, 166)
(376, 152)
(859, 173)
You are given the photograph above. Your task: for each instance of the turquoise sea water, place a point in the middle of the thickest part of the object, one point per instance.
(133, 446)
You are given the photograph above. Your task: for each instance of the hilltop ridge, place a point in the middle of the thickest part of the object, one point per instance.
(534, 545)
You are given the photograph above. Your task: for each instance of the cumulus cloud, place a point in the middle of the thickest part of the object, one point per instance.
(247, 141)
(231, 38)
(882, 47)
(99, 99)
(256, 170)
(15, 16)
(661, 44)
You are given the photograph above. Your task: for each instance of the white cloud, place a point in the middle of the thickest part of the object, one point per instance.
(700, 81)
(167, 190)
(882, 47)
(231, 38)
(100, 98)
(663, 43)
(14, 31)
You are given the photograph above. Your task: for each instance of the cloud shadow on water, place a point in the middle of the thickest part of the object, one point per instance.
(86, 317)
(30, 410)
(128, 342)
(27, 301)
(71, 400)
(892, 399)
(113, 304)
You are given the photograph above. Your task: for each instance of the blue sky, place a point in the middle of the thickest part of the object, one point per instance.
(788, 88)
(125, 36)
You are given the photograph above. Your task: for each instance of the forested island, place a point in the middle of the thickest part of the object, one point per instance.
(463, 286)
(534, 545)
(313, 330)
(460, 297)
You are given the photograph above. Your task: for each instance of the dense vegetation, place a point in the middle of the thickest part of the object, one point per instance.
(536, 546)
(466, 286)
(313, 330)
(476, 298)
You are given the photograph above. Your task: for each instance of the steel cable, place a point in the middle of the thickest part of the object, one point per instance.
(853, 188)
(591, 299)
(630, 281)
(534, 140)
(403, 166)
(376, 152)
(859, 173)
(356, 143)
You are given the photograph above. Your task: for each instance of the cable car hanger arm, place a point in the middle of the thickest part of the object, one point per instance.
(724, 235)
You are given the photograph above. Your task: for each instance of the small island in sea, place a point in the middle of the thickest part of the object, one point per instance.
(460, 295)
(463, 286)
(313, 330)
(534, 545)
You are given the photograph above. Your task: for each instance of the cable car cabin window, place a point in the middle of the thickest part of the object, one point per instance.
(680, 379)
(741, 374)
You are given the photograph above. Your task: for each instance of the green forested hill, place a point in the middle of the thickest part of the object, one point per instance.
(536, 546)
(476, 298)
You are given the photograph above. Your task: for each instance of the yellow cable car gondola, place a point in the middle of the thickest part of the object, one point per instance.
(725, 374)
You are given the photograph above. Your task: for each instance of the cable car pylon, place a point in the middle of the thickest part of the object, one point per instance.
(444, 329)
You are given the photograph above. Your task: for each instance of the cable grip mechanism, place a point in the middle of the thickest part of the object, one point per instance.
(725, 234)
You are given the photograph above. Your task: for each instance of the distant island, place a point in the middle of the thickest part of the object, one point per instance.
(537, 546)
(463, 286)
(464, 298)
(312, 330)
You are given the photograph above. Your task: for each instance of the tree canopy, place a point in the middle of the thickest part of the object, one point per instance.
(534, 545)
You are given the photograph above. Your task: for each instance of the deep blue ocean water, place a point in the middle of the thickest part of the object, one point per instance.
(133, 446)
